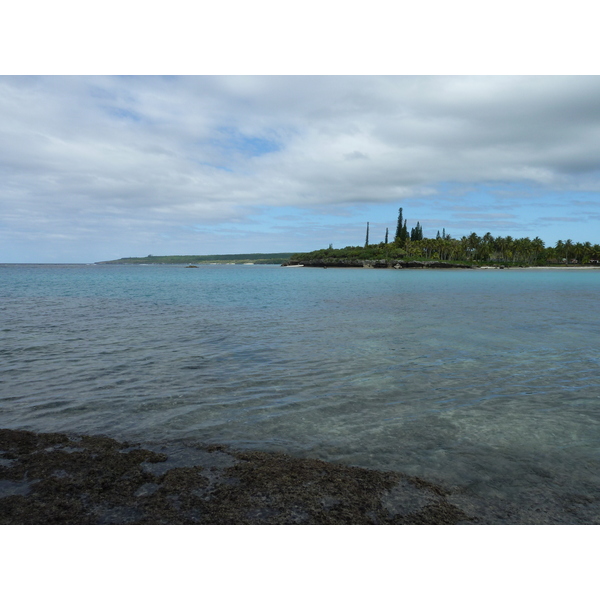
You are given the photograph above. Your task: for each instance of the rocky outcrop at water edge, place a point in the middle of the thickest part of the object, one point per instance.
(375, 264)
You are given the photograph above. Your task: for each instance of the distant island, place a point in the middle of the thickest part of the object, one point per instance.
(257, 259)
(413, 250)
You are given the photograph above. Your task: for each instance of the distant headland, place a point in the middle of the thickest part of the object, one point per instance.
(257, 259)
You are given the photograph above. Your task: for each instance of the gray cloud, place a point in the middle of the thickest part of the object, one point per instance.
(356, 155)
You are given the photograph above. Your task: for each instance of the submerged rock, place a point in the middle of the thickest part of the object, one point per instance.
(62, 479)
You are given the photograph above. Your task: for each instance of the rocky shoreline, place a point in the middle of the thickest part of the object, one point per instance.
(54, 478)
(374, 264)
(417, 264)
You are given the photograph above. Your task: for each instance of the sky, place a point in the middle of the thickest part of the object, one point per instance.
(102, 167)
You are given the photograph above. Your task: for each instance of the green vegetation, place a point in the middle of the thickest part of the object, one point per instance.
(472, 249)
(258, 259)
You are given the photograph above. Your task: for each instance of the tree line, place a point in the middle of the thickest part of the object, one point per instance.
(488, 248)
(409, 245)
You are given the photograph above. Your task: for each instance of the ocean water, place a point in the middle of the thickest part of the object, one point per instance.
(484, 381)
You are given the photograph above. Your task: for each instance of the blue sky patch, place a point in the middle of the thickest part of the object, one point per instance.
(123, 114)
(233, 140)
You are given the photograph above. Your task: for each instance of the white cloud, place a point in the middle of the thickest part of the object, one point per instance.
(126, 156)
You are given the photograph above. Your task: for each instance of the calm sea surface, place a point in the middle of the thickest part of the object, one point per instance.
(485, 381)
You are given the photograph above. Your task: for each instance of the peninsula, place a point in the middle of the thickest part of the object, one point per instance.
(410, 249)
(257, 259)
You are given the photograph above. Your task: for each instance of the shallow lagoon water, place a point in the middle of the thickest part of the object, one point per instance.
(485, 381)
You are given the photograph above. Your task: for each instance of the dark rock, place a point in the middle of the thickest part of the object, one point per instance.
(60, 479)
(376, 264)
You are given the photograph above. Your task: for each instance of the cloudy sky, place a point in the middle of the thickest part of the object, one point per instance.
(95, 168)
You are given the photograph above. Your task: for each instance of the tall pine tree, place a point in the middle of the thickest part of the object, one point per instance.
(398, 237)
(416, 233)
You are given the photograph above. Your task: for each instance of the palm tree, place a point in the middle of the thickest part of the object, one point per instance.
(568, 246)
(560, 250)
(410, 247)
(523, 248)
(578, 252)
(498, 246)
(472, 245)
(509, 248)
(537, 246)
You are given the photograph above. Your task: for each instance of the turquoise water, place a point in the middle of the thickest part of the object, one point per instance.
(485, 381)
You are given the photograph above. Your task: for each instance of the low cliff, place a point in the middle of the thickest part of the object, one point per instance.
(375, 264)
